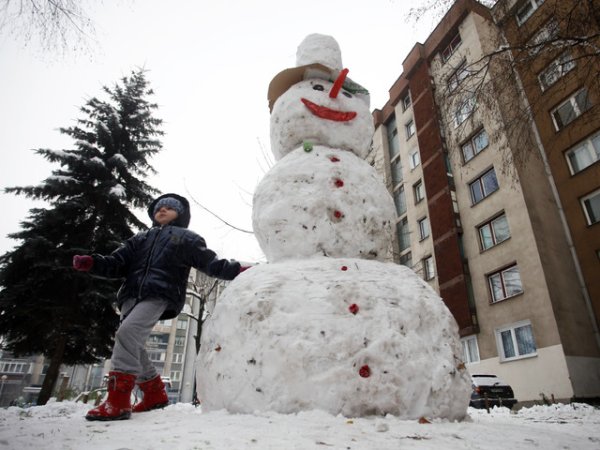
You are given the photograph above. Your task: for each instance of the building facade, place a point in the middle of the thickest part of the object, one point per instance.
(490, 210)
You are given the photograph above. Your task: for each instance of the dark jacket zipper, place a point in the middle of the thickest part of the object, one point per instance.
(139, 297)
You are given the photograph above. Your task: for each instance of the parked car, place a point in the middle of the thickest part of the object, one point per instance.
(489, 390)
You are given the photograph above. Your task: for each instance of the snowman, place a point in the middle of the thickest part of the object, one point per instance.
(329, 323)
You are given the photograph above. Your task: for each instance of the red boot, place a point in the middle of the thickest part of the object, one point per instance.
(118, 405)
(155, 395)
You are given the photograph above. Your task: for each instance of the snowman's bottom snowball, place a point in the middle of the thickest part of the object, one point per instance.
(348, 336)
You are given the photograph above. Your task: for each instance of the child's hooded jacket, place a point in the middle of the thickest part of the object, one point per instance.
(156, 263)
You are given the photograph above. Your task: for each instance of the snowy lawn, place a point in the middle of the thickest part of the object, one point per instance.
(181, 426)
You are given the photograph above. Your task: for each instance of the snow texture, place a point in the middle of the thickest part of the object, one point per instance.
(292, 123)
(284, 337)
(295, 205)
(61, 426)
(327, 324)
(321, 49)
(117, 191)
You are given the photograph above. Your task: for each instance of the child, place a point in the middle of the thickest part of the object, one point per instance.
(155, 264)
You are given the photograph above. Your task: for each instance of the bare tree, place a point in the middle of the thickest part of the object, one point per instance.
(54, 24)
(519, 62)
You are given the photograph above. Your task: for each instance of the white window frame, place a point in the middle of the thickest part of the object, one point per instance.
(392, 134)
(428, 268)
(481, 184)
(424, 228)
(414, 158)
(589, 148)
(400, 200)
(451, 47)
(458, 76)
(470, 349)
(464, 110)
(406, 102)
(176, 375)
(490, 224)
(587, 207)
(514, 341)
(410, 129)
(576, 108)
(419, 191)
(177, 358)
(501, 275)
(179, 341)
(533, 5)
(182, 324)
(557, 69)
(546, 33)
(472, 145)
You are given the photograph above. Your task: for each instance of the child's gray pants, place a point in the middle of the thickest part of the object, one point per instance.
(129, 353)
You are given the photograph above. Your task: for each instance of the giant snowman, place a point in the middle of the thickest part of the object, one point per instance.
(328, 323)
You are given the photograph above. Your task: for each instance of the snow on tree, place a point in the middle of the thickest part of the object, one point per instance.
(45, 306)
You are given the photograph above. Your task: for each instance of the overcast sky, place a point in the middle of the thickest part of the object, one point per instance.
(210, 64)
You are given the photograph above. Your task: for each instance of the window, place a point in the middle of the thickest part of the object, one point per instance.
(406, 259)
(470, 349)
(406, 102)
(410, 129)
(451, 48)
(591, 207)
(176, 375)
(182, 324)
(515, 341)
(166, 323)
(428, 268)
(403, 234)
(415, 159)
(556, 70)
(494, 232)
(475, 145)
(179, 341)
(527, 10)
(458, 76)
(419, 191)
(543, 37)
(584, 154)
(396, 168)
(177, 358)
(392, 133)
(571, 108)
(505, 283)
(464, 110)
(423, 228)
(400, 201)
(156, 356)
(483, 186)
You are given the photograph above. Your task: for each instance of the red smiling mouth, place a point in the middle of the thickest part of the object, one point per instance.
(329, 114)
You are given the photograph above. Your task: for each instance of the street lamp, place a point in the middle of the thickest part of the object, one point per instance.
(3, 378)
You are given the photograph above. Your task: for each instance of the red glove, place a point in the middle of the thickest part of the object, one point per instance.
(83, 263)
(242, 268)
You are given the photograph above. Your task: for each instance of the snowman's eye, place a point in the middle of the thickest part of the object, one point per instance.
(347, 94)
(318, 87)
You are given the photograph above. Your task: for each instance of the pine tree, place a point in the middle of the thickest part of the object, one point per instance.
(45, 306)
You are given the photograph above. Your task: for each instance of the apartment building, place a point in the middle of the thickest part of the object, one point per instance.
(482, 216)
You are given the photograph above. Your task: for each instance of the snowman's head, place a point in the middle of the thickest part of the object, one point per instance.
(317, 102)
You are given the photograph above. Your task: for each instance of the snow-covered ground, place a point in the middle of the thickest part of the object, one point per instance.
(181, 426)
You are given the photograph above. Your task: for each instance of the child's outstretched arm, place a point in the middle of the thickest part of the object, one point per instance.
(112, 266)
(206, 260)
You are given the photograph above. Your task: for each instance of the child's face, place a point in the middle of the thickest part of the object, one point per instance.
(165, 215)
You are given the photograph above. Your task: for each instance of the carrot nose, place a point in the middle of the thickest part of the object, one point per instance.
(339, 82)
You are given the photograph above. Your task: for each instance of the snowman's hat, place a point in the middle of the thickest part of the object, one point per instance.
(318, 56)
